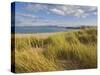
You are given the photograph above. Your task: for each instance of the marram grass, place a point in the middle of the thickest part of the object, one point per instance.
(61, 51)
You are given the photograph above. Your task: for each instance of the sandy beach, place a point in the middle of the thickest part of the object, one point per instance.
(39, 35)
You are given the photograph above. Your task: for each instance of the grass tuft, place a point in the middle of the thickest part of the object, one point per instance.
(62, 51)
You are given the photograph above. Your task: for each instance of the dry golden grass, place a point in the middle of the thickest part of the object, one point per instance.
(59, 51)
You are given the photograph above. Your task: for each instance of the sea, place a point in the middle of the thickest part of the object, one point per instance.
(38, 29)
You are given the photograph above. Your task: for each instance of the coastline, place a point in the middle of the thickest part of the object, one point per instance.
(39, 35)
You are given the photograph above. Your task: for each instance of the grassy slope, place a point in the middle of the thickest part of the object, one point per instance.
(62, 51)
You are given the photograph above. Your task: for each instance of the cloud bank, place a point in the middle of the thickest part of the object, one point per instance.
(72, 11)
(63, 10)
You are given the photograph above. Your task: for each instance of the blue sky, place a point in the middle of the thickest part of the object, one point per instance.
(35, 14)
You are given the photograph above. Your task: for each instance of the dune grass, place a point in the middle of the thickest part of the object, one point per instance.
(61, 51)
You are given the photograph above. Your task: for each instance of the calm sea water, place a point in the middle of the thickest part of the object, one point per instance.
(39, 29)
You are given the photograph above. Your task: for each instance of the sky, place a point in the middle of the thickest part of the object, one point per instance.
(37, 14)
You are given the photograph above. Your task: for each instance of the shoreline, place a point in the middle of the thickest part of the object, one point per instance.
(39, 35)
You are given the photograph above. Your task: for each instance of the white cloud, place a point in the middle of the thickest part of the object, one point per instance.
(63, 10)
(76, 11)
(79, 13)
(35, 7)
(94, 13)
(57, 11)
(92, 9)
(31, 20)
(25, 15)
(25, 19)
